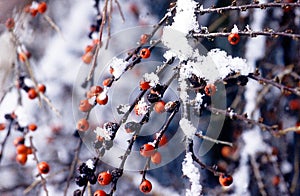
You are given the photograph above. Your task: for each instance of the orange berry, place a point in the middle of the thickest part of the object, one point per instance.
(163, 140)
(42, 88)
(22, 56)
(22, 149)
(294, 104)
(42, 7)
(145, 186)
(107, 82)
(225, 180)
(96, 90)
(298, 125)
(32, 127)
(10, 23)
(104, 178)
(156, 158)
(29, 150)
(85, 106)
(233, 38)
(226, 151)
(21, 158)
(87, 57)
(18, 141)
(159, 107)
(145, 53)
(210, 89)
(144, 38)
(276, 180)
(99, 193)
(144, 85)
(88, 48)
(82, 124)
(2, 126)
(147, 150)
(33, 12)
(102, 99)
(43, 167)
(32, 94)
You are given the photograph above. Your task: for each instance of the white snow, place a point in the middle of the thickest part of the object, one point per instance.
(119, 66)
(192, 172)
(152, 78)
(90, 164)
(188, 129)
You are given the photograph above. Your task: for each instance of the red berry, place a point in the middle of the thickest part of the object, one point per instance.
(10, 23)
(156, 158)
(87, 57)
(85, 106)
(163, 140)
(96, 90)
(145, 186)
(147, 150)
(33, 12)
(102, 99)
(42, 88)
(32, 127)
(104, 178)
(294, 104)
(21, 158)
(82, 124)
(276, 180)
(21, 149)
(144, 38)
(32, 94)
(99, 193)
(42, 7)
(145, 53)
(210, 89)
(22, 56)
(2, 126)
(225, 180)
(144, 85)
(43, 167)
(18, 141)
(88, 48)
(233, 38)
(159, 107)
(107, 82)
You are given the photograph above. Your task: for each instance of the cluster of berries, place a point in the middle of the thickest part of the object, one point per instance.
(32, 92)
(34, 8)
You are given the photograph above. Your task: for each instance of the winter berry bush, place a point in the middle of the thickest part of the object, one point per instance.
(118, 97)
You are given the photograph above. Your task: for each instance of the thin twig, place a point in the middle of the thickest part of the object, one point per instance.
(200, 135)
(38, 181)
(73, 166)
(245, 119)
(203, 165)
(248, 33)
(247, 6)
(258, 177)
(94, 62)
(120, 10)
(295, 180)
(5, 139)
(275, 84)
(43, 180)
(53, 25)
